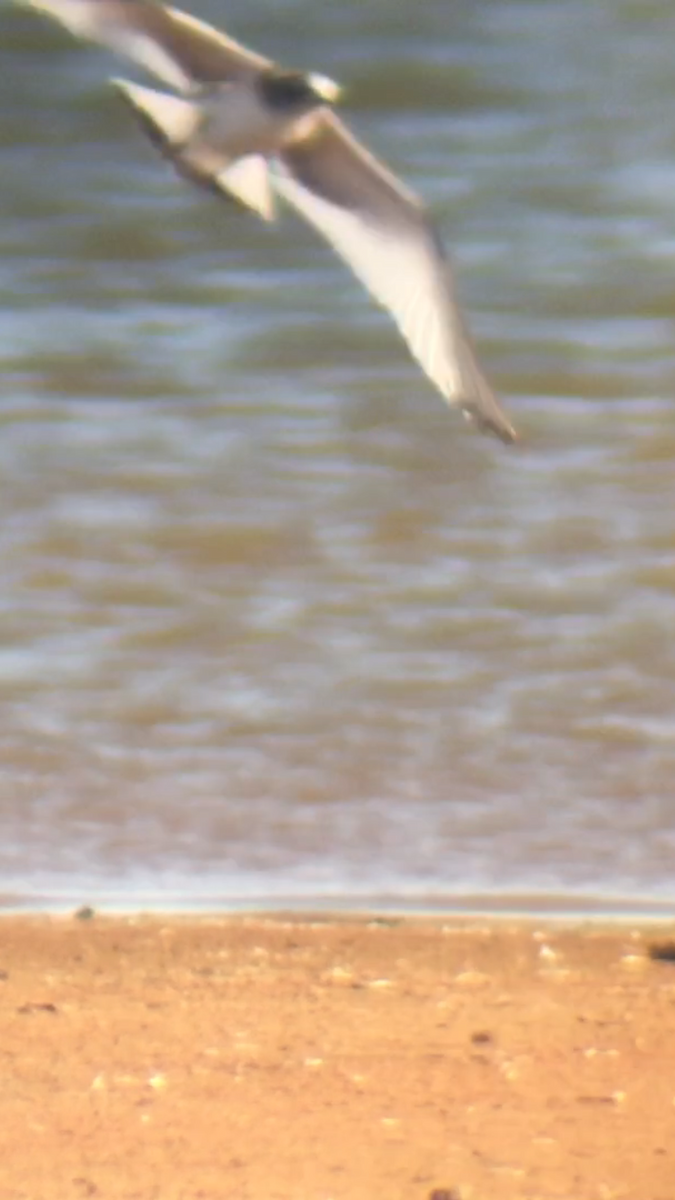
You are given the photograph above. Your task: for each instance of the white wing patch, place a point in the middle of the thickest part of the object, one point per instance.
(74, 14)
(145, 50)
(246, 58)
(399, 267)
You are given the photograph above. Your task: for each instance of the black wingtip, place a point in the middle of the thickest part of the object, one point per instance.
(495, 425)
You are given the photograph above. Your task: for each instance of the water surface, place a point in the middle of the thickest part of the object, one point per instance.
(274, 621)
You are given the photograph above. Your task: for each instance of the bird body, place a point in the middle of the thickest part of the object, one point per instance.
(242, 126)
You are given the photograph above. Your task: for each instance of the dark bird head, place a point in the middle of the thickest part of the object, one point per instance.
(292, 92)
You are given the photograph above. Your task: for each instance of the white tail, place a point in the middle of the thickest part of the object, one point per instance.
(248, 179)
(175, 119)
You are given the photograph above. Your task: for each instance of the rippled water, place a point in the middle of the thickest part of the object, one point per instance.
(274, 622)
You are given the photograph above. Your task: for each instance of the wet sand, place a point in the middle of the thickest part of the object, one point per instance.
(307, 1059)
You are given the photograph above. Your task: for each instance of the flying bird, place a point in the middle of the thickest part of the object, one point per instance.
(239, 125)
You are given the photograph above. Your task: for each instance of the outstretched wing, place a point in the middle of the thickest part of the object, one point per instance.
(381, 229)
(168, 43)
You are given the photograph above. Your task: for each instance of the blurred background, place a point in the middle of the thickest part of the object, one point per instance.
(277, 627)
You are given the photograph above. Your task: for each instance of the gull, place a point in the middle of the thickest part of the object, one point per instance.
(238, 124)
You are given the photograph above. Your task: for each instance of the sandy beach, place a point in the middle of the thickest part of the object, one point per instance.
(322, 1059)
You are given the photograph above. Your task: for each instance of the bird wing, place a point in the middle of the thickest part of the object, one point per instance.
(381, 229)
(172, 45)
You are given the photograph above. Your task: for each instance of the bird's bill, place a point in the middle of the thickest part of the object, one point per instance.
(326, 88)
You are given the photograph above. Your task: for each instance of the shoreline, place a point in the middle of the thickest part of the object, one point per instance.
(315, 1056)
(572, 908)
